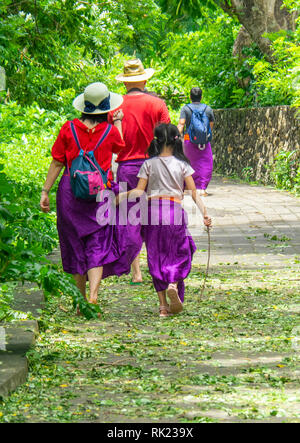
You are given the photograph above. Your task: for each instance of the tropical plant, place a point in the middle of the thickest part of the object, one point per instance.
(279, 83)
(285, 171)
(57, 47)
(26, 234)
(257, 16)
(200, 58)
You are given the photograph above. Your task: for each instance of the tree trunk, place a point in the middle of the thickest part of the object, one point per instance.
(259, 17)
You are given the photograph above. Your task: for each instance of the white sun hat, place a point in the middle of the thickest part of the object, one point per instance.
(134, 71)
(97, 99)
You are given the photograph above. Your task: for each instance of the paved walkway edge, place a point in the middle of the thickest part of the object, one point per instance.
(17, 338)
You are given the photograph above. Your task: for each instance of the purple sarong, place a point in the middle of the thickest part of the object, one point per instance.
(84, 243)
(127, 173)
(170, 247)
(201, 162)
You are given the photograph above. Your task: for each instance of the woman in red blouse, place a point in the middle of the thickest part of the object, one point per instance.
(89, 250)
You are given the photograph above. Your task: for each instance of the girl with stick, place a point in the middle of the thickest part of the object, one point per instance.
(169, 245)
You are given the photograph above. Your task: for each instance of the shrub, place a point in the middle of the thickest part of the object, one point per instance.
(26, 234)
(285, 171)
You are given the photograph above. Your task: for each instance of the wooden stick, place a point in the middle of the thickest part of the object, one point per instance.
(207, 266)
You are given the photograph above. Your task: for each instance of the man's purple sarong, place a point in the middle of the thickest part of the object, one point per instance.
(170, 247)
(201, 162)
(127, 172)
(84, 243)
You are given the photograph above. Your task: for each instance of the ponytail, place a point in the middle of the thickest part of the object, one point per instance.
(167, 135)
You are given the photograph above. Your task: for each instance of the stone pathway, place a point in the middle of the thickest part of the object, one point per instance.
(233, 356)
(252, 224)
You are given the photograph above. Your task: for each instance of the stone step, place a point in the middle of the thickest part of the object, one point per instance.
(18, 337)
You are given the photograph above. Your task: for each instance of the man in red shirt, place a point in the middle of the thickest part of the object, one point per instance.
(142, 113)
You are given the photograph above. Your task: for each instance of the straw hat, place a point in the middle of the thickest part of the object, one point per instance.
(97, 99)
(134, 72)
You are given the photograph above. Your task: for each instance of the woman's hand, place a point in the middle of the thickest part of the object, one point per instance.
(117, 121)
(207, 221)
(118, 115)
(53, 172)
(45, 202)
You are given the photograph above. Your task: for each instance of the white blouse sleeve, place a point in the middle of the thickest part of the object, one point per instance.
(187, 170)
(144, 171)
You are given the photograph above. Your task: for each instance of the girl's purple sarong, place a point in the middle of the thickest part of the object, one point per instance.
(84, 243)
(201, 162)
(170, 247)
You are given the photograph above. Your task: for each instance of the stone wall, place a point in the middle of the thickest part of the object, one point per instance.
(251, 138)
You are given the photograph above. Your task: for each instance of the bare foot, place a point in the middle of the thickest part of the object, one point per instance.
(93, 301)
(137, 278)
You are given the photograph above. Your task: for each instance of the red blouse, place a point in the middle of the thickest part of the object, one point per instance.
(65, 149)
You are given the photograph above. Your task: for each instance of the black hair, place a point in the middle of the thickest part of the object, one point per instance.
(196, 94)
(94, 118)
(167, 135)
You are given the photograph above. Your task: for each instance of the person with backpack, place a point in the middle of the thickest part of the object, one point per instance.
(169, 245)
(196, 124)
(90, 249)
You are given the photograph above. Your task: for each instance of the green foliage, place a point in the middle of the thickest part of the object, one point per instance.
(6, 300)
(292, 5)
(56, 283)
(187, 7)
(201, 58)
(26, 234)
(27, 135)
(266, 84)
(285, 171)
(183, 15)
(56, 48)
(279, 83)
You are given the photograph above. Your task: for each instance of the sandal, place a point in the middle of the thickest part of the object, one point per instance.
(175, 302)
(164, 311)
